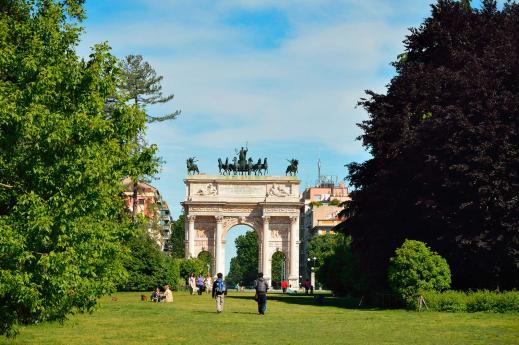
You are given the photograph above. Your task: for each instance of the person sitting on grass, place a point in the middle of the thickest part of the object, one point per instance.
(156, 295)
(168, 295)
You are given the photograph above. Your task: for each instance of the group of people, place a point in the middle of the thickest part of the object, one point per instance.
(200, 284)
(159, 296)
(218, 291)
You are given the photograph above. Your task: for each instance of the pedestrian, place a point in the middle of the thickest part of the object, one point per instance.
(261, 287)
(284, 285)
(307, 284)
(192, 283)
(219, 292)
(208, 283)
(200, 284)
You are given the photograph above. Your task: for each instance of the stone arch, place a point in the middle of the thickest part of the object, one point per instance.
(269, 205)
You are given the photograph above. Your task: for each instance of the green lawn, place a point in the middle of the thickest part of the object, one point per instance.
(289, 320)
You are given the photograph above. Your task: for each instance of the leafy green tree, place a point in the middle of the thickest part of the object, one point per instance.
(207, 259)
(176, 241)
(147, 266)
(340, 270)
(139, 82)
(188, 266)
(244, 266)
(415, 268)
(321, 247)
(278, 269)
(444, 142)
(63, 152)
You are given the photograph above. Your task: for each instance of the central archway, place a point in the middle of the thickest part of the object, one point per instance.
(269, 205)
(241, 255)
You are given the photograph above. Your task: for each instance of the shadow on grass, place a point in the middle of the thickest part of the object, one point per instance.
(324, 300)
(214, 312)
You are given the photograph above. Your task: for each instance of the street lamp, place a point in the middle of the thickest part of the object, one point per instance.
(208, 268)
(312, 274)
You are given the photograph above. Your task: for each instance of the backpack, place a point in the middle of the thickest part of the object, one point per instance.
(261, 286)
(220, 286)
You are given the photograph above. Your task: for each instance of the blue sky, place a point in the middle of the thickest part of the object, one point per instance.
(283, 77)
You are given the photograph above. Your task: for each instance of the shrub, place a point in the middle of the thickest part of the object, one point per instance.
(415, 269)
(335, 202)
(451, 301)
(458, 301)
(188, 266)
(147, 266)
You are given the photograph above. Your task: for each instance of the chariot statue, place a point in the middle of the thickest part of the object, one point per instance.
(242, 165)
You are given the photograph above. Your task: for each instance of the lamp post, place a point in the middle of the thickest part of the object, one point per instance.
(208, 268)
(312, 273)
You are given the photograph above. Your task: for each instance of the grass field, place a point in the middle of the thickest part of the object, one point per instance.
(289, 320)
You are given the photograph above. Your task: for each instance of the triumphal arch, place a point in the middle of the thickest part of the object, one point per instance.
(268, 204)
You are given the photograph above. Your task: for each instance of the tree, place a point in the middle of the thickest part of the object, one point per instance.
(322, 246)
(63, 152)
(147, 266)
(139, 82)
(244, 266)
(415, 269)
(444, 141)
(176, 241)
(207, 259)
(339, 270)
(191, 265)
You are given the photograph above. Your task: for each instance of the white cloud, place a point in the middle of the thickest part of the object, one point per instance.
(307, 87)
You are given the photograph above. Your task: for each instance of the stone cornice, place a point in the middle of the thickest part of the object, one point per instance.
(202, 178)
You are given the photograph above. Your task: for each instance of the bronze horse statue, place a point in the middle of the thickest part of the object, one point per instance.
(292, 168)
(192, 168)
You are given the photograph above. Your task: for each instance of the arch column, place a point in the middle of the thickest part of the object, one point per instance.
(191, 236)
(293, 277)
(218, 245)
(265, 265)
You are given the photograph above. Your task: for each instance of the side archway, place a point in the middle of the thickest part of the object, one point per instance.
(279, 269)
(208, 261)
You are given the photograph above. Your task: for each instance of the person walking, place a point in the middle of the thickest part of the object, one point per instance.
(284, 285)
(219, 292)
(208, 283)
(307, 284)
(200, 284)
(192, 283)
(261, 287)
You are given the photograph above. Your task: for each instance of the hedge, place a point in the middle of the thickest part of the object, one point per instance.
(458, 301)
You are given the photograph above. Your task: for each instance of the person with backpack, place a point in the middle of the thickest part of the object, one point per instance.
(219, 291)
(261, 287)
